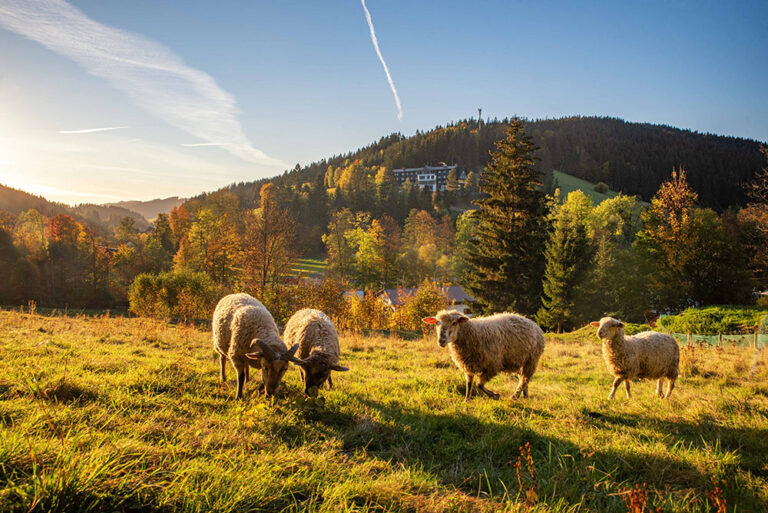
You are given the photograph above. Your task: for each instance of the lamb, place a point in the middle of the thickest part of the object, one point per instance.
(318, 343)
(485, 346)
(245, 332)
(647, 355)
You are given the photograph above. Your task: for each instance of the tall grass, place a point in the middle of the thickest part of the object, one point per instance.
(118, 414)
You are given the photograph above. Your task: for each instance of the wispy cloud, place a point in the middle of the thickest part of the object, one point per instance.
(92, 130)
(153, 76)
(383, 62)
(195, 145)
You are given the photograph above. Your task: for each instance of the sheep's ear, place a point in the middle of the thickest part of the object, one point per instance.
(254, 356)
(595, 324)
(619, 324)
(429, 320)
(339, 368)
(462, 319)
(267, 351)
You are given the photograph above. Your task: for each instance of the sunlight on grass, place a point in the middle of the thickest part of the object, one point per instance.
(125, 414)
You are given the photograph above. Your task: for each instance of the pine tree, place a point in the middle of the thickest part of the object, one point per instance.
(505, 263)
(568, 256)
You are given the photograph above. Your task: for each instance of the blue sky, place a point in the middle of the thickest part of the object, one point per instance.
(266, 85)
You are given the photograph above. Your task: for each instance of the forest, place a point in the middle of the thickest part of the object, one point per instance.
(689, 227)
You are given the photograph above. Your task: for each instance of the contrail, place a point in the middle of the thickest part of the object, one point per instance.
(152, 75)
(92, 130)
(383, 62)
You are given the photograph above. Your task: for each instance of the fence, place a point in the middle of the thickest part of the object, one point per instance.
(756, 340)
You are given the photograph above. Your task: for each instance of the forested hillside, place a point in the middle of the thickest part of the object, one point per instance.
(634, 158)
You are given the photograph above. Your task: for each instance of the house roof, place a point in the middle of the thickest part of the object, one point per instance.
(453, 293)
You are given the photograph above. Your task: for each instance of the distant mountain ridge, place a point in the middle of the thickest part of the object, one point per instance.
(104, 217)
(150, 209)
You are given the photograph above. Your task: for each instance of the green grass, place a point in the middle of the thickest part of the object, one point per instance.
(119, 414)
(567, 183)
(309, 266)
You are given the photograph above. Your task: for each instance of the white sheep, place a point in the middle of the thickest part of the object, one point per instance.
(245, 332)
(485, 346)
(318, 343)
(647, 355)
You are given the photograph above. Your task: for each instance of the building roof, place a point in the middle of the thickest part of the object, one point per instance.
(424, 168)
(453, 293)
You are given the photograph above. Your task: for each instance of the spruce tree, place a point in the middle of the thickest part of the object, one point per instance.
(568, 255)
(505, 263)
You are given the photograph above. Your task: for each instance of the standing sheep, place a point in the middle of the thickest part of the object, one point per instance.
(485, 346)
(647, 355)
(318, 343)
(245, 332)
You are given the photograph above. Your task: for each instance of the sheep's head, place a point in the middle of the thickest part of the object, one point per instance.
(447, 325)
(273, 364)
(315, 372)
(608, 327)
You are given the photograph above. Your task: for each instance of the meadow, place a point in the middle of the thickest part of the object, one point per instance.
(125, 414)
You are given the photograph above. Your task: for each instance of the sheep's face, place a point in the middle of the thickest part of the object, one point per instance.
(447, 325)
(273, 364)
(315, 372)
(608, 327)
(272, 375)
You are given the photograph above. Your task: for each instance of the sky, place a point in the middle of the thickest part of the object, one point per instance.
(103, 101)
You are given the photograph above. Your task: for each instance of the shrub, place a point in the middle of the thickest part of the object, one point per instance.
(186, 294)
(428, 300)
(601, 187)
(716, 319)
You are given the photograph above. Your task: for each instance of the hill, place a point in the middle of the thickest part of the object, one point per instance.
(634, 158)
(150, 209)
(568, 183)
(103, 217)
(119, 414)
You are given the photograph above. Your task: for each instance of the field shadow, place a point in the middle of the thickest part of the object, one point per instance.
(467, 451)
(751, 444)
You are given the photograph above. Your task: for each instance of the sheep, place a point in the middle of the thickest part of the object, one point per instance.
(245, 332)
(318, 343)
(647, 355)
(485, 346)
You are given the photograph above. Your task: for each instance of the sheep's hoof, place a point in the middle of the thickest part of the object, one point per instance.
(493, 395)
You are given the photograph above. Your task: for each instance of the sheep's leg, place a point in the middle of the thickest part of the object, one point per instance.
(626, 385)
(527, 372)
(468, 394)
(616, 383)
(247, 373)
(659, 384)
(330, 382)
(522, 385)
(481, 386)
(670, 386)
(240, 369)
(223, 361)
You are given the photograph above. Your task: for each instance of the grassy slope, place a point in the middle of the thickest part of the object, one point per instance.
(123, 414)
(309, 266)
(567, 183)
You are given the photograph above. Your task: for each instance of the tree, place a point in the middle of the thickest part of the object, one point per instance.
(340, 253)
(268, 250)
(452, 182)
(505, 257)
(568, 255)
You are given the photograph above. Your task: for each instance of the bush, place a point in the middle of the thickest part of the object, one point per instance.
(427, 301)
(601, 187)
(711, 320)
(185, 294)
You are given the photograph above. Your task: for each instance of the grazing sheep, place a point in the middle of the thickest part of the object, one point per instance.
(485, 346)
(245, 332)
(318, 343)
(647, 355)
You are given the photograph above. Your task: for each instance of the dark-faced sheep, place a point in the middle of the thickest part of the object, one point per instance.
(245, 333)
(486, 346)
(318, 343)
(647, 355)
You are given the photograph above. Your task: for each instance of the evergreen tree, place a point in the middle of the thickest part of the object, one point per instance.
(505, 258)
(568, 255)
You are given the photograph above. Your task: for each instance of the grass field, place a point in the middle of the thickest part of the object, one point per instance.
(118, 414)
(567, 183)
(309, 266)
